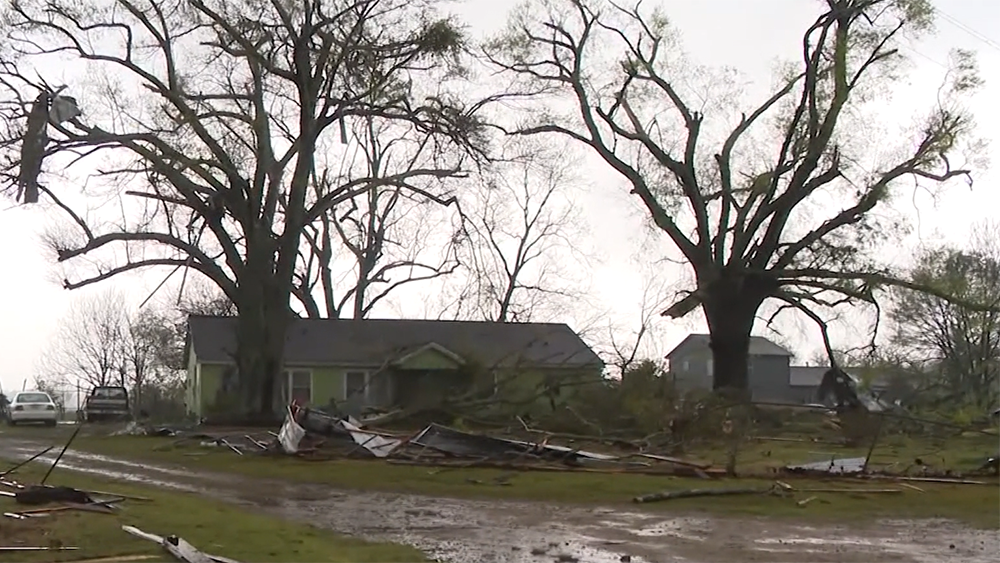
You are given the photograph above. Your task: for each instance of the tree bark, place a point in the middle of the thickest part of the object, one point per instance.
(730, 307)
(262, 325)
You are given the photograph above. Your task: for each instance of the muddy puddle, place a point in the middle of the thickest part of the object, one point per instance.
(469, 531)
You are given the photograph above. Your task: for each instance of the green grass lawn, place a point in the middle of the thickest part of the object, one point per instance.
(213, 527)
(975, 504)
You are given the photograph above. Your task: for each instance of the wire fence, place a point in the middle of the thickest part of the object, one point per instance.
(70, 399)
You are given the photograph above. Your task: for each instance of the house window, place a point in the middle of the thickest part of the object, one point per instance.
(710, 367)
(356, 384)
(298, 385)
(687, 365)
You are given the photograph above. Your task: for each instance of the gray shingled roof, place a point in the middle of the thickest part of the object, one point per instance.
(759, 346)
(374, 341)
(812, 376)
(806, 376)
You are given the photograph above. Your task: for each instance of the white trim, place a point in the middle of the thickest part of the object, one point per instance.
(288, 382)
(368, 383)
(432, 346)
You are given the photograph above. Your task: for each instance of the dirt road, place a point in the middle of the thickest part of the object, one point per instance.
(464, 531)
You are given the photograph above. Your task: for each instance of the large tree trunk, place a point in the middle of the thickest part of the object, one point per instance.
(730, 308)
(263, 319)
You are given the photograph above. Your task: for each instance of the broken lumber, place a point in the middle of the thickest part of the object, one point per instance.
(688, 493)
(858, 491)
(180, 549)
(914, 487)
(805, 501)
(124, 497)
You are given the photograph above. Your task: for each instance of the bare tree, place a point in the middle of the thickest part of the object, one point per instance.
(961, 346)
(626, 351)
(200, 298)
(522, 236)
(742, 214)
(386, 234)
(89, 345)
(141, 352)
(216, 142)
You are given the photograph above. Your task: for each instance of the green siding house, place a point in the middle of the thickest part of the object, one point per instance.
(353, 365)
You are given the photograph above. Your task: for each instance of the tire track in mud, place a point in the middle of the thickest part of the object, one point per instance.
(470, 531)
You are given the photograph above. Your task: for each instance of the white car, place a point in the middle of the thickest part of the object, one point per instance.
(33, 406)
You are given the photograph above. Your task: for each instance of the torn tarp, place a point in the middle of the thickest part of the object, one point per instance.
(463, 444)
(842, 466)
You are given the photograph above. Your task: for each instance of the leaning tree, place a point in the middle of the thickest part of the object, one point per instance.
(783, 206)
(211, 117)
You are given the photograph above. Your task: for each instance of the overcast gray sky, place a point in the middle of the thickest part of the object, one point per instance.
(747, 35)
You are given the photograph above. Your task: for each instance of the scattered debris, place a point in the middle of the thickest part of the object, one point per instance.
(840, 466)
(40, 494)
(180, 549)
(992, 465)
(316, 435)
(290, 434)
(463, 444)
(136, 428)
(61, 498)
(805, 501)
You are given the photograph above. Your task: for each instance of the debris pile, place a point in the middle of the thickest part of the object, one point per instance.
(315, 435)
(312, 434)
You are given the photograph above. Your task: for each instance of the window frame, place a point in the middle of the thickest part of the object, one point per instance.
(366, 392)
(289, 378)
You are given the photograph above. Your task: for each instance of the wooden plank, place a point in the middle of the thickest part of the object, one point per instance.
(184, 551)
(179, 548)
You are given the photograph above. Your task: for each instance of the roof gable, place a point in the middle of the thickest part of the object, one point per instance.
(372, 342)
(759, 346)
(429, 356)
(812, 376)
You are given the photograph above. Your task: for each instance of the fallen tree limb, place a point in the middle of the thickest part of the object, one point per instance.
(689, 493)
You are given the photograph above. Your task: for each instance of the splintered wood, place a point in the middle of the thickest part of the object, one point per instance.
(180, 549)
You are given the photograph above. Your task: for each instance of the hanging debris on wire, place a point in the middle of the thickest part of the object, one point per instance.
(48, 106)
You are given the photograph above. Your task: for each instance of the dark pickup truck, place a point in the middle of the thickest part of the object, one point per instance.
(106, 403)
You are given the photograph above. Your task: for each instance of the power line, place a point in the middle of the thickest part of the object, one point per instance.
(967, 29)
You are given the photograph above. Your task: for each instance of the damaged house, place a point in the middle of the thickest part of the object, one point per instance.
(772, 378)
(351, 366)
